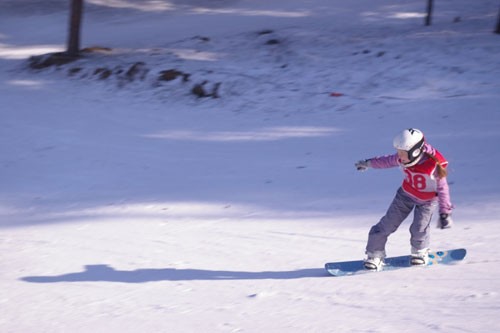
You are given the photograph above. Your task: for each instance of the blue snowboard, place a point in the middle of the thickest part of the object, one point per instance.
(356, 267)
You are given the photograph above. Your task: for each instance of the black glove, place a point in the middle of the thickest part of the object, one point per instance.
(445, 221)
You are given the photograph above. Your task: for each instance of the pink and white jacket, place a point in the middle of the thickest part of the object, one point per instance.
(421, 180)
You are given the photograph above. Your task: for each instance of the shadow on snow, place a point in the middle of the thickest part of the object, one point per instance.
(105, 273)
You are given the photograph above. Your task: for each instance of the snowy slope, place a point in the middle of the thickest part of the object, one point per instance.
(132, 205)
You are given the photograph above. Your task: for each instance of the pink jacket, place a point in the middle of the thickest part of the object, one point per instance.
(436, 186)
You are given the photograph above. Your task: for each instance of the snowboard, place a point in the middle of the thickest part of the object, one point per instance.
(392, 263)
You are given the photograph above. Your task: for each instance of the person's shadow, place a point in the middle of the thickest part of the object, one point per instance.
(95, 273)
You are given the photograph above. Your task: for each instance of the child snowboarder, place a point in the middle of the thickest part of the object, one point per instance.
(424, 187)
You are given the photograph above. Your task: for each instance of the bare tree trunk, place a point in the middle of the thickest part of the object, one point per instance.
(497, 30)
(74, 28)
(430, 6)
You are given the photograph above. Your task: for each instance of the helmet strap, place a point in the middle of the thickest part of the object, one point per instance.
(413, 161)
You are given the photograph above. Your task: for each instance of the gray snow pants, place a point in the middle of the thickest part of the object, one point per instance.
(398, 211)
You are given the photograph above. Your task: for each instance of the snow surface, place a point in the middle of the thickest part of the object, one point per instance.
(138, 207)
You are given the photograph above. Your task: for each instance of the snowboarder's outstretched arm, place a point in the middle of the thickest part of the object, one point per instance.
(379, 162)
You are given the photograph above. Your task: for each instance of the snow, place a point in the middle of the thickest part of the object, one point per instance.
(132, 205)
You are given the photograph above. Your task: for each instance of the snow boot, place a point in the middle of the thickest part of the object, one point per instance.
(374, 260)
(419, 257)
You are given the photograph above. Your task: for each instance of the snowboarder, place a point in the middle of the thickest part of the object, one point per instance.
(424, 187)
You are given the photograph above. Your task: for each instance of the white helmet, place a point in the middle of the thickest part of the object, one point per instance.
(412, 141)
